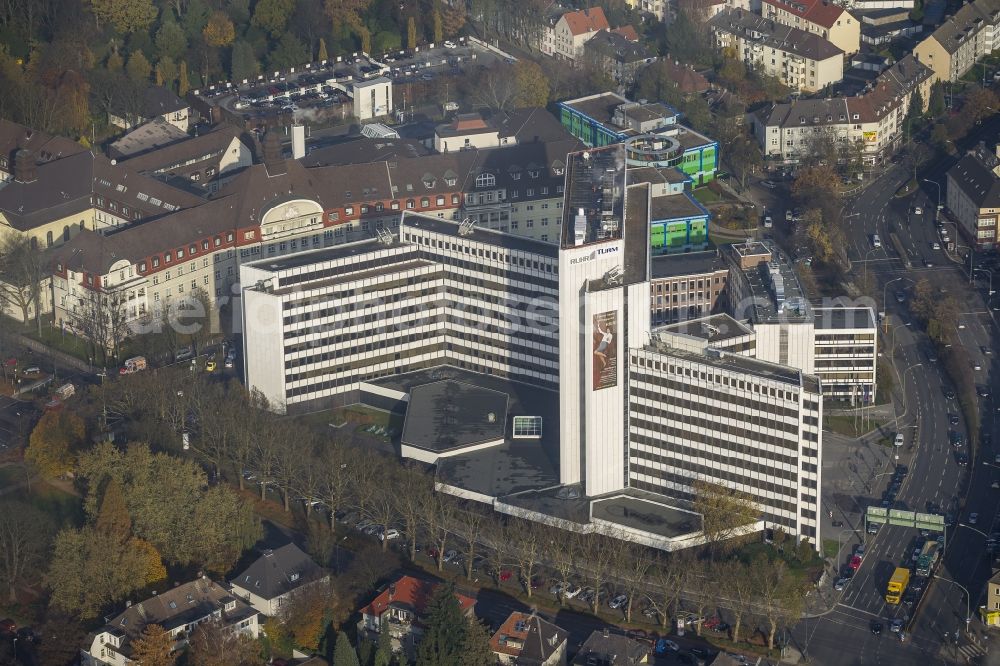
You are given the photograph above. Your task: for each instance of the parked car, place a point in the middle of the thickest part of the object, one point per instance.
(450, 45)
(840, 584)
(769, 184)
(618, 601)
(389, 534)
(973, 518)
(210, 365)
(664, 645)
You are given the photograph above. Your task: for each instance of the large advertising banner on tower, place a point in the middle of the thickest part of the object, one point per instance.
(605, 350)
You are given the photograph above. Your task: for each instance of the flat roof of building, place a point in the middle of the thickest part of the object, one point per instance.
(448, 415)
(515, 466)
(501, 239)
(656, 175)
(595, 183)
(738, 363)
(844, 317)
(645, 512)
(600, 107)
(713, 328)
(759, 278)
(288, 262)
(687, 263)
(675, 207)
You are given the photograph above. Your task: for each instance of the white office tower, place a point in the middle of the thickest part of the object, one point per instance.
(603, 310)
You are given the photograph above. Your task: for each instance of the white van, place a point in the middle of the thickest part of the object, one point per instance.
(876, 241)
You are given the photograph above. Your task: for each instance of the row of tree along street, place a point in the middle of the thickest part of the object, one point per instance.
(235, 437)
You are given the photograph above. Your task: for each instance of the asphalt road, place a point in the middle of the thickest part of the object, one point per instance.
(843, 636)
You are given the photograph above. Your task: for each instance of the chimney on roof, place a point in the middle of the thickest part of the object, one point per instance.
(273, 161)
(392, 591)
(25, 169)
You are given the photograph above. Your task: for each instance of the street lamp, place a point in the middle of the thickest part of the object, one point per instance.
(938, 186)
(968, 603)
(988, 272)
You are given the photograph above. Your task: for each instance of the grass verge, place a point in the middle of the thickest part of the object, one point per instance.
(851, 426)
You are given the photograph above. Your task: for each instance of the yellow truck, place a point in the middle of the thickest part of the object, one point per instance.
(897, 585)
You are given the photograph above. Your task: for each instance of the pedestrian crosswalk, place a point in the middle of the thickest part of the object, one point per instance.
(968, 653)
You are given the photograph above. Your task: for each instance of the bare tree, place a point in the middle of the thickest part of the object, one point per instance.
(21, 276)
(469, 525)
(667, 578)
(631, 569)
(365, 477)
(247, 424)
(290, 456)
(265, 456)
(702, 588)
(563, 553)
(308, 482)
(381, 504)
(599, 553)
(25, 534)
(335, 482)
(410, 499)
(439, 514)
(780, 598)
(527, 545)
(742, 589)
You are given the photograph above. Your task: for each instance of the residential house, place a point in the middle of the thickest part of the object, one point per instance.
(179, 610)
(874, 121)
(973, 196)
(657, 8)
(274, 577)
(969, 34)
(617, 56)
(157, 102)
(45, 147)
(574, 29)
(528, 640)
(800, 59)
(608, 649)
(989, 612)
(702, 10)
(685, 78)
(401, 609)
(202, 163)
(821, 17)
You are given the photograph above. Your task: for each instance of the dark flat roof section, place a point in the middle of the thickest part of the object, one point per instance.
(448, 415)
(645, 512)
(595, 183)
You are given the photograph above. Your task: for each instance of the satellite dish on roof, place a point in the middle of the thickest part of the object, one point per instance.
(491, 417)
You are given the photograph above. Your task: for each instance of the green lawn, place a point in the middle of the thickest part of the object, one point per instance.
(63, 341)
(849, 426)
(706, 196)
(830, 548)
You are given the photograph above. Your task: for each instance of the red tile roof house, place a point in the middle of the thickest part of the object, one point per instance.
(403, 606)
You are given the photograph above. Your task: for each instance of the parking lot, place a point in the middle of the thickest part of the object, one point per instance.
(322, 91)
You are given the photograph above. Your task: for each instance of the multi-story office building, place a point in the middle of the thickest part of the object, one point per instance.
(969, 34)
(686, 286)
(838, 344)
(699, 413)
(438, 293)
(651, 133)
(821, 17)
(973, 196)
(871, 123)
(800, 59)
